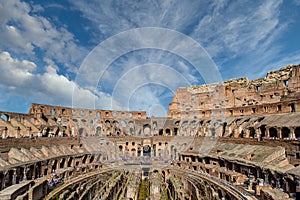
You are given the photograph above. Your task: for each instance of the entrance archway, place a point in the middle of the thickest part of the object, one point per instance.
(147, 151)
(285, 132)
(273, 132)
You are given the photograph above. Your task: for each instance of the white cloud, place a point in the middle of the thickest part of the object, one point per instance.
(24, 32)
(238, 28)
(229, 31)
(18, 77)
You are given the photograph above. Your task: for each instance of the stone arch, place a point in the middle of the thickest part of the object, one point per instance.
(154, 124)
(54, 165)
(285, 132)
(107, 123)
(161, 132)
(81, 132)
(70, 162)
(120, 148)
(262, 130)
(123, 124)
(5, 117)
(168, 131)
(133, 152)
(273, 132)
(146, 150)
(98, 129)
(52, 111)
(146, 129)
(131, 127)
(84, 159)
(62, 163)
(251, 132)
(92, 158)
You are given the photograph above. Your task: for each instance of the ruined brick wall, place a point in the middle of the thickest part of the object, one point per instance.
(278, 92)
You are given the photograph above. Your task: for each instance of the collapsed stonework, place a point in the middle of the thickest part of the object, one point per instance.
(245, 133)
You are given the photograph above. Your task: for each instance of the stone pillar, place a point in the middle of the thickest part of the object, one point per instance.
(268, 132)
(279, 133)
(292, 133)
(33, 172)
(266, 178)
(24, 174)
(28, 130)
(14, 177)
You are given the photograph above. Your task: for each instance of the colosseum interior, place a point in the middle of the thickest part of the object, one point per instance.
(239, 139)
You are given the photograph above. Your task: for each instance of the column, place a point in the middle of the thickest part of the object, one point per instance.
(266, 178)
(292, 133)
(268, 132)
(279, 133)
(24, 174)
(14, 177)
(33, 172)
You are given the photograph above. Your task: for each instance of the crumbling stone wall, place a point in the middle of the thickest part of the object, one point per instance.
(278, 92)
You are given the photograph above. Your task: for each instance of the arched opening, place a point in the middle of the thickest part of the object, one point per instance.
(139, 152)
(263, 130)
(54, 166)
(146, 129)
(252, 132)
(81, 130)
(168, 131)
(292, 107)
(62, 163)
(242, 134)
(273, 132)
(52, 111)
(285, 132)
(297, 133)
(121, 148)
(131, 127)
(5, 117)
(84, 159)
(147, 150)
(161, 132)
(70, 162)
(133, 152)
(123, 123)
(175, 131)
(92, 158)
(98, 115)
(98, 130)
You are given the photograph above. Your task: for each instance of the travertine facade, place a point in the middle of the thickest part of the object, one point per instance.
(218, 141)
(278, 92)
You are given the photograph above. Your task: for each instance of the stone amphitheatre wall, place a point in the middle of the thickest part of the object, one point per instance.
(254, 126)
(278, 92)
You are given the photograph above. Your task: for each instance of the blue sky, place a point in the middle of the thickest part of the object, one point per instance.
(53, 52)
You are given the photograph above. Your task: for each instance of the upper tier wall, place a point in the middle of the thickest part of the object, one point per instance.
(278, 92)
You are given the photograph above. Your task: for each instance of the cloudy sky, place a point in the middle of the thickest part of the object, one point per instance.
(131, 55)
